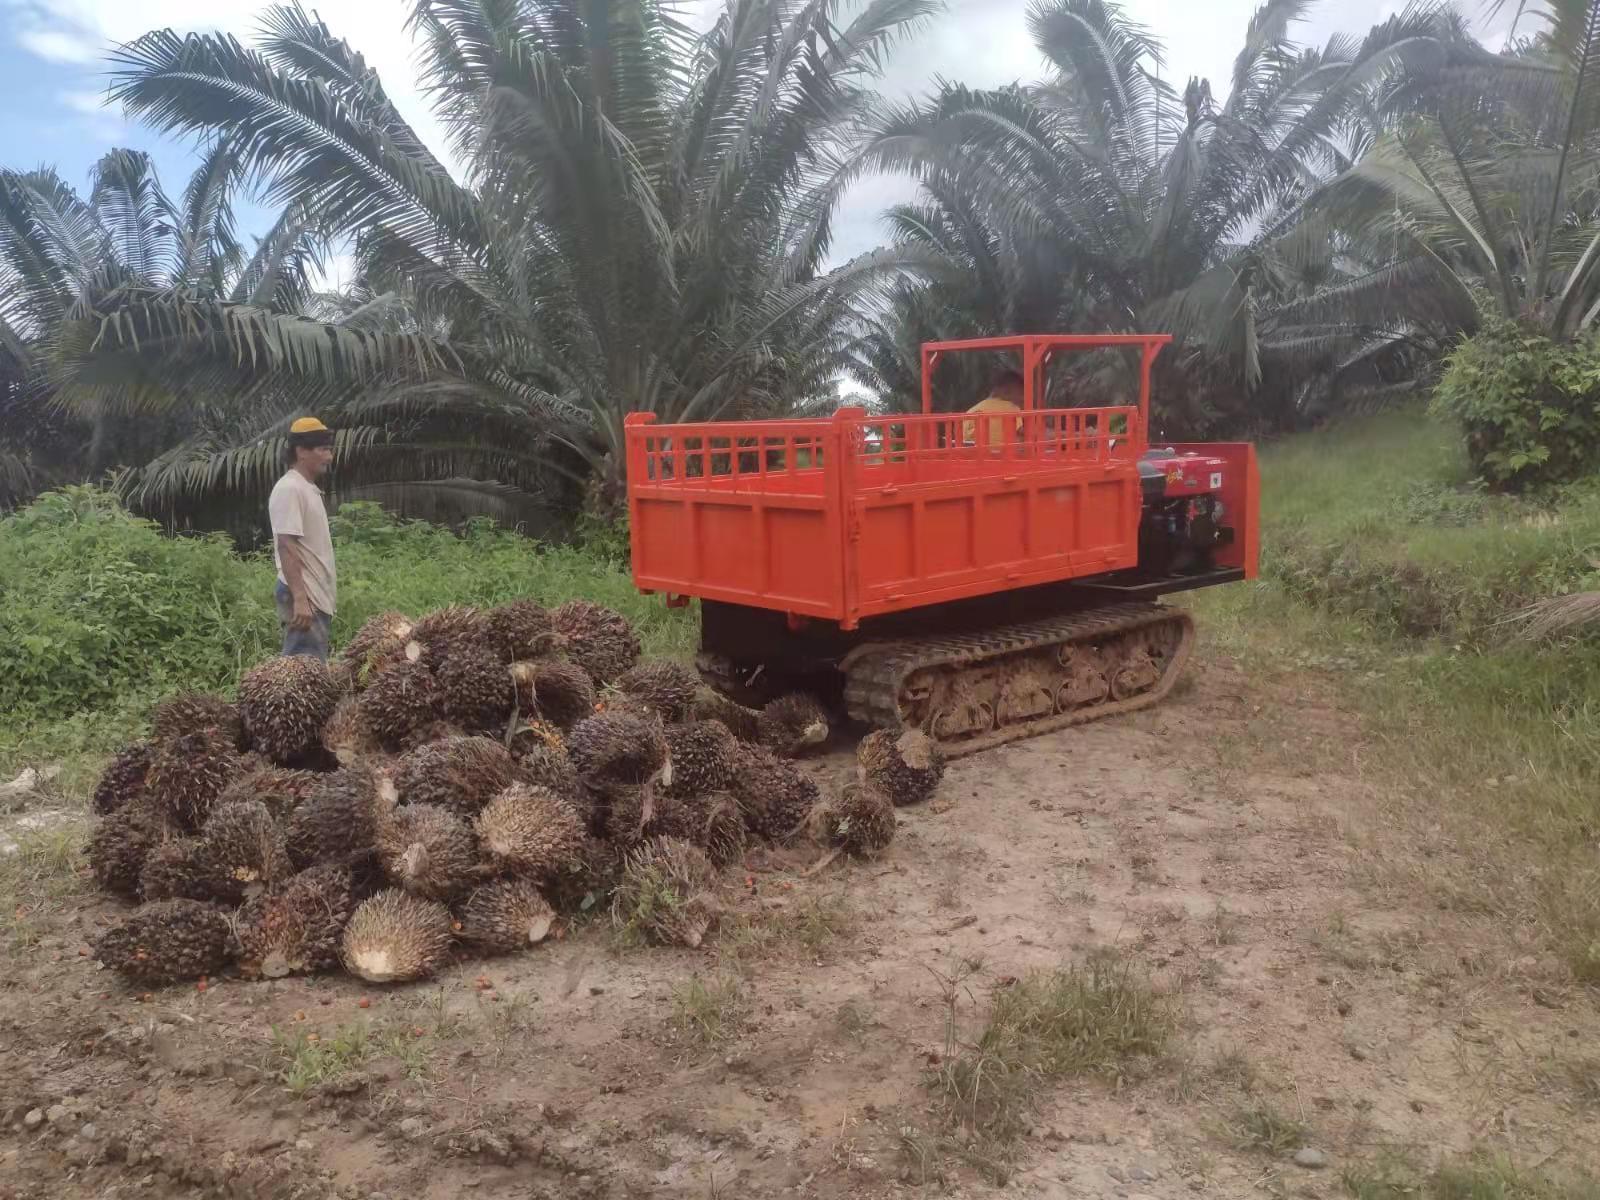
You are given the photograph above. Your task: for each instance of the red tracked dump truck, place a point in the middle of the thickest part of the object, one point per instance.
(983, 578)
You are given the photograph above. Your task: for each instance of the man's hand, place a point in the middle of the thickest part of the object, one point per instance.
(303, 613)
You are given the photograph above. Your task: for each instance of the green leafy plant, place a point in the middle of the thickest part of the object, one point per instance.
(100, 611)
(1527, 403)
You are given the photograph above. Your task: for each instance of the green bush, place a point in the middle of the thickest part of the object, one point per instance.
(101, 611)
(95, 603)
(1528, 405)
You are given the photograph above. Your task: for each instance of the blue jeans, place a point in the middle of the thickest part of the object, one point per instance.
(313, 642)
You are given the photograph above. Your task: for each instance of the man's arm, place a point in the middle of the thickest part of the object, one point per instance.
(294, 575)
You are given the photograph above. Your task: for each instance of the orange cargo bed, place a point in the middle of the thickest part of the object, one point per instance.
(856, 515)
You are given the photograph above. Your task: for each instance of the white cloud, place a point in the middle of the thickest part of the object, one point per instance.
(61, 46)
(89, 103)
(103, 122)
(339, 270)
(81, 31)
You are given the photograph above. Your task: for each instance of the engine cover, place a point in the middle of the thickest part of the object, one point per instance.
(1184, 474)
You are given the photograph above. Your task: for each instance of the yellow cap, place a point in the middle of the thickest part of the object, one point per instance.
(308, 425)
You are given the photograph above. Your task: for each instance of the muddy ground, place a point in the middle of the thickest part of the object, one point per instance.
(1231, 844)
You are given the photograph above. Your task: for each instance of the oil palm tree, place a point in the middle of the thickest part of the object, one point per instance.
(976, 280)
(1161, 209)
(639, 219)
(1480, 181)
(68, 264)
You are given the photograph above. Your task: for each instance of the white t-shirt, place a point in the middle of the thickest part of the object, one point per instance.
(296, 510)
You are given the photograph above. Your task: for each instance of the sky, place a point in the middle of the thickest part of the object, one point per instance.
(53, 71)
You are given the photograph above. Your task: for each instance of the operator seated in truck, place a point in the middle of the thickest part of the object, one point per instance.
(1005, 396)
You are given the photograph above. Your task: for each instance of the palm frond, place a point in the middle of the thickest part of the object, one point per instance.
(1558, 616)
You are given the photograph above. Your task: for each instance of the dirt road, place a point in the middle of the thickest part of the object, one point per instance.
(1331, 1010)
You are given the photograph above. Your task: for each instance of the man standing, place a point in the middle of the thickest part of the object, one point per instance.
(301, 545)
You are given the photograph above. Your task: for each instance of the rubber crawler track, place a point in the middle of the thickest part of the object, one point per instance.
(875, 674)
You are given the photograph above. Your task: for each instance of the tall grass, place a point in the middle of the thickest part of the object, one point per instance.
(1384, 564)
(101, 613)
(1089, 1020)
(1380, 519)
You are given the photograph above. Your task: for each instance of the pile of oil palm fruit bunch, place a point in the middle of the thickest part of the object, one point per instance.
(458, 785)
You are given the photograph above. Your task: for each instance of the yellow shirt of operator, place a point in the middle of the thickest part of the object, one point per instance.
(994, 429)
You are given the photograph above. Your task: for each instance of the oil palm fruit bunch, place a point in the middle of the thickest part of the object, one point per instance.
(395, 937)
(586, 878)
(120, 843)
(345, 735)
(461, 774)
(191, 712)
(530, 831)
(123, 778)
(721, 825)
(792, 724)
(285, 702)
(189, 773)
(475, 688)
(624, 810)
(666, 893)
(505, 916)
(709, 820)
(744, 723)
(775, 796)
(295, 927)
(861, 821)
(380, 640)
(167, 942)
(339, 819)
(556, 690)
(441, 635)
(398, 702)
(281, 789)
(428, 851)
(614, 748)
(520, 630)
(243, 850)
(540, 754)
(177, 869)
(662, 687)
(598, 639)
(433, 731)
(906, 767)
(703, 756)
